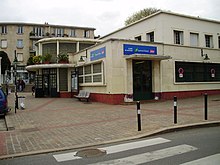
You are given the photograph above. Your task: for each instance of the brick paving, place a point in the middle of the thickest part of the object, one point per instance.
(52, 124)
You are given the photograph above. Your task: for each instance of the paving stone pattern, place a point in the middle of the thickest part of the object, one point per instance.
(52, 124)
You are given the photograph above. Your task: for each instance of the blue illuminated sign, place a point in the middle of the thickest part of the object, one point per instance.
(139, 49)
(97, 54)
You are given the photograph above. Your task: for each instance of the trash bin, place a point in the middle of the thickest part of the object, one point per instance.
(21, 100)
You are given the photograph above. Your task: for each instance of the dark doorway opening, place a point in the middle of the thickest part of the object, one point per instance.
(142, 80)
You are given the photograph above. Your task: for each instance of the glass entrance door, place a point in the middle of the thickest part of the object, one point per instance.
(142, 80)
(50, 82)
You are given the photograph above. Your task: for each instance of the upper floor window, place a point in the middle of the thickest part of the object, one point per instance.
(178, 37)
(4, 30)
(219, 42)
(72, 33)
(194, 39)
(209, 41)
(150, 37)
(38, 31)
(20, 30)
(59, 32)
(20, 43)
(86, 33)
(138, 38)
(20, 57)
(4, 44)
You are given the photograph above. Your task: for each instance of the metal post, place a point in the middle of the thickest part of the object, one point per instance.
(15, 72)
(175, 109)
(206, 106)
(139, 115)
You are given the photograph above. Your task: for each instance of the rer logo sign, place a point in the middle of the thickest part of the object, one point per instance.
(97, 54)
(139, 49)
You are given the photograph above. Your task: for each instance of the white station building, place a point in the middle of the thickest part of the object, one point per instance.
(159, 57)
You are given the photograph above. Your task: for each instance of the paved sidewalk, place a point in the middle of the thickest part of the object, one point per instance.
(52, 124)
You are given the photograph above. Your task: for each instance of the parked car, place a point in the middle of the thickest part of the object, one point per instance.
(3, 102)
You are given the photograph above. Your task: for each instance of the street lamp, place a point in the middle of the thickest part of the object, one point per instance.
(15, 74)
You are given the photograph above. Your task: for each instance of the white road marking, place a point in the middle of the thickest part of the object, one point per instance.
(150, 156)
(209, 160)
(115, 148)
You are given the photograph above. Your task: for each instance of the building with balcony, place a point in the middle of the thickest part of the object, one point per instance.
(22, 37)
(163, 55)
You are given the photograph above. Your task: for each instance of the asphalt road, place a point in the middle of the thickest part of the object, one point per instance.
(201, 145)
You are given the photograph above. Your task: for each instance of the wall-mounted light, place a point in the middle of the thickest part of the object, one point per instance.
(205, 56)
(81, 57)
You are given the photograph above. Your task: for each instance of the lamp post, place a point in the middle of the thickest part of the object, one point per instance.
(15, 74)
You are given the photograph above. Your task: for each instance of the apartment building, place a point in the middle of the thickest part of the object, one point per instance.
(20, 38)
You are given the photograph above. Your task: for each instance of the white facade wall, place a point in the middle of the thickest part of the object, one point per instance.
(163, 24)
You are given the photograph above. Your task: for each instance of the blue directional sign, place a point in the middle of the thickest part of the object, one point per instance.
(97, 54)
(139, 49)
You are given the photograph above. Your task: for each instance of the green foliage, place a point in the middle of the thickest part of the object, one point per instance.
(140, 14)
(37, 59)
(46, 57)
(63, 57)
(30, 60)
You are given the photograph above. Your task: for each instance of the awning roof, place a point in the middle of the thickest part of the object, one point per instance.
(146, 57)
(42, 66)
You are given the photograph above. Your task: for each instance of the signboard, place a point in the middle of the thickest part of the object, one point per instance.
(139, 49)
(97, 54)
(74, 81)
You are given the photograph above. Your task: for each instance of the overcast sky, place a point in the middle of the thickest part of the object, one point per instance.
(104, 15)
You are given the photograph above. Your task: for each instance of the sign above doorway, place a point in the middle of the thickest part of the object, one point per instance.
(139, 49)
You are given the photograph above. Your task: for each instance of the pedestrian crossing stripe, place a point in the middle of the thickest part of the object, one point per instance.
(150, 156)
(209, 160)
(115, 148)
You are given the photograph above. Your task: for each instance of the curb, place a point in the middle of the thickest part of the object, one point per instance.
(143, 135)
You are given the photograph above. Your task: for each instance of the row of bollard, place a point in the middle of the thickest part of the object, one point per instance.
(174, 110)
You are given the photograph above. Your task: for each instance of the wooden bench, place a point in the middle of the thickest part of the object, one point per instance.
(83, 95)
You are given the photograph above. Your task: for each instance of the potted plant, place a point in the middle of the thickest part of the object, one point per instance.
(46, 58)
(37, 59)
(63, 58)
(32, 33)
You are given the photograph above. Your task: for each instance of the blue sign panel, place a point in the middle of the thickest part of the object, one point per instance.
(97, 54)
(139, 49)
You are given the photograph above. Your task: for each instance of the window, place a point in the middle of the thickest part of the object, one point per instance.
(209, 41)
(86, 34)
(19, 43)
(138, 38)
(59, 32)
(38, 31)
(4, 30)
(63, 79)
(150, 37)
(178, 37)
(90, 73)
(4, 44)
(20, 57)
(194, 39)
(72, 33)
(197, 72)
(219, 42)
(20, 30)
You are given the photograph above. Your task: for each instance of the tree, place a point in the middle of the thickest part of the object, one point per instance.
(140, 14)
(5, 62)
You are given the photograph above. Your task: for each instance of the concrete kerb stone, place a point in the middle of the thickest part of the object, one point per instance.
(142, 135)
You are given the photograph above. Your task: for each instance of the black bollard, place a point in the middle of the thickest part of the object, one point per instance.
(139, 115)
(175, 109)
(206, 106)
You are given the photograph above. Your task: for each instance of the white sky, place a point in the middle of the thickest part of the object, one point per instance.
(104, 15)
